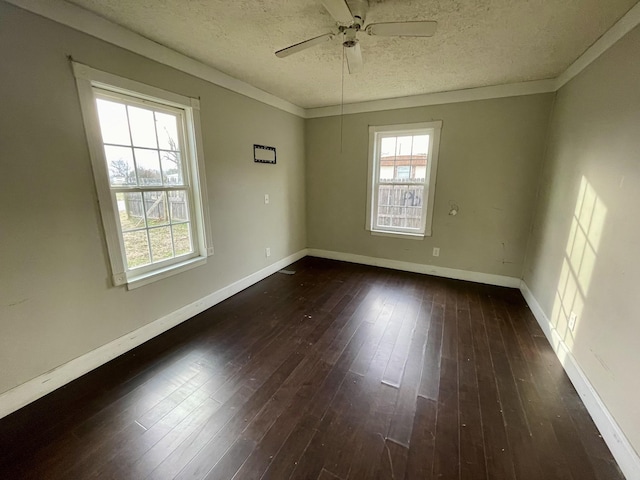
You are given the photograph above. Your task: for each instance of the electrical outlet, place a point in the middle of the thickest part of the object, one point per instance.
(436, 252)
(267, 252)
(266, 199)
(572, 321)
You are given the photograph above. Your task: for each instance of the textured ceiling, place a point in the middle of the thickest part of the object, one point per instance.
(478, 42)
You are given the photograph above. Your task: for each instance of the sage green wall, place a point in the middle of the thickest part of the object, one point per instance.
(489, 164)
(56, 302)
(584, 253)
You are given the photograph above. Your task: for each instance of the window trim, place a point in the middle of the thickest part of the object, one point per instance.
(87, 79)
(434, 128)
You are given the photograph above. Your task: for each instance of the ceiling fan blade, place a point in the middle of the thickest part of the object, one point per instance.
(339, 10)
(298, 47)
(354, 58)
(403, 29)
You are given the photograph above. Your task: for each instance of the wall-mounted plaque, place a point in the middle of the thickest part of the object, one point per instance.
(264, 154)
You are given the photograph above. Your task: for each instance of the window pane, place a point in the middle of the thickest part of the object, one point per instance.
(151, 212)
(131, 210)
(182, 238)
(113, 122)
(167, 128)
(403, 172)
(402, 159)
(388, 147)
(172, 168)
(420, 144)
(387, 158)
(155, 204)
(419, 157)
(419, 172)
(120, 165)
(143, 130)
(136, 247)
(178, 206)
(161, 244)
(403, 146)
(148, 163)
(400, 206)
(386, 172)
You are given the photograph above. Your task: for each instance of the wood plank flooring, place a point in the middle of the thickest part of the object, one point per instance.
(339, 371)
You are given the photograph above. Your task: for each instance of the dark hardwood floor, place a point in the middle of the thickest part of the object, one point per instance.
(338, 371)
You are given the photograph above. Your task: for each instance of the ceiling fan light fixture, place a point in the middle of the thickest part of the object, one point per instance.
(350, 39)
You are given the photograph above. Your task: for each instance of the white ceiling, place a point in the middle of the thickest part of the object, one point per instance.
(478, 42)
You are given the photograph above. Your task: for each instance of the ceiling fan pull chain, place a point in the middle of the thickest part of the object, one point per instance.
(342, 100)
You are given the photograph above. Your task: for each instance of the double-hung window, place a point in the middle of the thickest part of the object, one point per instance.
(402, 171)
(149, 174)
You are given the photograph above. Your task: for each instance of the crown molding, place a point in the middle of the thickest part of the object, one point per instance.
(439, 98)
(87, 22)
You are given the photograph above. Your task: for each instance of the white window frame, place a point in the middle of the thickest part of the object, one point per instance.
(376, 133)
(90, 81)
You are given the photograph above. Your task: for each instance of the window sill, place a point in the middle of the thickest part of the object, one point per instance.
(405, 235)
(150, 277)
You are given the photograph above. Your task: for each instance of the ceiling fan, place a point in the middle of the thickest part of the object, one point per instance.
(350, 21)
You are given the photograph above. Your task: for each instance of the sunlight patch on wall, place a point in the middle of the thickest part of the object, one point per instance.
(579, 262)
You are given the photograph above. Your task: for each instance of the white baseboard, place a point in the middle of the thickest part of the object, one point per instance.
(623, 452)
(40, 386)
(487, 278)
